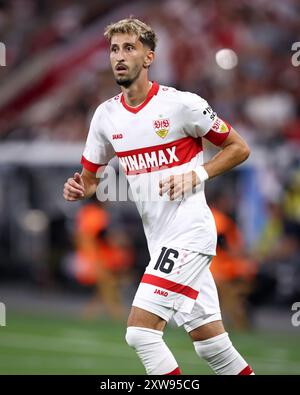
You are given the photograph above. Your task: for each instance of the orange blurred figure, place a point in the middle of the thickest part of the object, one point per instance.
(232, 270)
(103, 258)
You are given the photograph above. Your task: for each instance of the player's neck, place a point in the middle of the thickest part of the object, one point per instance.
(137, 93)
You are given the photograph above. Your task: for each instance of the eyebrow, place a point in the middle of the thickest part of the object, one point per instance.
(124, 44)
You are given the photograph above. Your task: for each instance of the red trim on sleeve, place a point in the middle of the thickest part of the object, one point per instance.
(174, 372)
(152, 92)
(90, 166)
(218, 138)
(170, 285)
(246, 372)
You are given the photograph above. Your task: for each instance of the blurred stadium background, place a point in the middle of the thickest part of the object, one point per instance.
(68, 272)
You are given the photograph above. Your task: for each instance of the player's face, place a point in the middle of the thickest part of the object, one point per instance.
(128, 57)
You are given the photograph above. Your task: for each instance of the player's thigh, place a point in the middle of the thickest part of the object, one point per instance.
(206, 319)
(143, 318)
(207, 331)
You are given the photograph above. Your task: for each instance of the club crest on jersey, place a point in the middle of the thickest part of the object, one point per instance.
(161, 127)
(220, 126)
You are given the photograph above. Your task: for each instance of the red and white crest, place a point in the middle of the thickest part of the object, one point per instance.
(161, 127)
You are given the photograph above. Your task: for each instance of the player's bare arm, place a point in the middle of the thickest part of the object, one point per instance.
(81, 186)
(234, 151)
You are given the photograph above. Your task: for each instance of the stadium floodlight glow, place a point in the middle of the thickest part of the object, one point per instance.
(226, 58)
(35, 221)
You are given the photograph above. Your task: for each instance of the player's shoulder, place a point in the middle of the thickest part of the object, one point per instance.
(105, 109)
(186, 99)
(110, 104)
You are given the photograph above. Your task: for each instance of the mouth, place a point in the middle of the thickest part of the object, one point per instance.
(120, 67)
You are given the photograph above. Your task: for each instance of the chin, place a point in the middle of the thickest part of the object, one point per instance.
(124, 82)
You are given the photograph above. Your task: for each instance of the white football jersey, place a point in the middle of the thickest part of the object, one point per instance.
(161, 137)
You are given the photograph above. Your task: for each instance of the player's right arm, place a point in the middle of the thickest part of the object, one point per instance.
(97, 153)
(81, 186)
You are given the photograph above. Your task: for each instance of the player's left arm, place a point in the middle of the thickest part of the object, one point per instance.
(233, 151)
(200, 121)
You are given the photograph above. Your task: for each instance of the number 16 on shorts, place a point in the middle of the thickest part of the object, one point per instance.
(165, 263)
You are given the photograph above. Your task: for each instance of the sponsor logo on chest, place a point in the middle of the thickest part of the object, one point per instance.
(145, 161)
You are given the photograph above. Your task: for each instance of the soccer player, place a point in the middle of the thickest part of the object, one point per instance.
(157, 132)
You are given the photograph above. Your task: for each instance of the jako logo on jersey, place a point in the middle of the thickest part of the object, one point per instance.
(160, 292)
(117, 136)
(161, 127)
(146, 161)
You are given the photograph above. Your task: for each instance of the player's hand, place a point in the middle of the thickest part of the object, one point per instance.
(74, 188)
(179, 186)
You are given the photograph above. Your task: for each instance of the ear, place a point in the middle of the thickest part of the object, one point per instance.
(149, 58)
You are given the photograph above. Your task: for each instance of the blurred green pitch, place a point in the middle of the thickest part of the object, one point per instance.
(37, 344)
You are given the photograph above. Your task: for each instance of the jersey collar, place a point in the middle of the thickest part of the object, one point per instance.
(152, 92)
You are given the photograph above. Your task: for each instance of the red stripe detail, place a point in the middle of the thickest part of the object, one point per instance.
(152, 92)
(93, 167)
(217, 138)
(246, 372)
(185, 150)
(174, 372)
(170, 285)
(178, 142)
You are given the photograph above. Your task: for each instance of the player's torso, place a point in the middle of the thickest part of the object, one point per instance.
(157, 124)
(152, 144)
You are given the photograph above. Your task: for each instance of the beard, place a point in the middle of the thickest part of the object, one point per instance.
(126, 81)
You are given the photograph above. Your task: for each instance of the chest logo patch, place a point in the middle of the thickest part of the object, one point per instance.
(161, 127)
(117, 136)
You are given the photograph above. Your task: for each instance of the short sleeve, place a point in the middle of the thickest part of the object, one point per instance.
(98, 150)
(202, 121)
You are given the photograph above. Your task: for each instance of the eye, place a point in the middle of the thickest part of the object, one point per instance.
(114, 49)
(129, 48)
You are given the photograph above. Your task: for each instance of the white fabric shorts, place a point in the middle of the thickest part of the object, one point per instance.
(178, 284)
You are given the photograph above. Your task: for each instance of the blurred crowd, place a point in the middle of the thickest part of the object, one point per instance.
(65, 76)
(260, 96)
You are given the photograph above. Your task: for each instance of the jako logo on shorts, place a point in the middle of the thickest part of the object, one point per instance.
(160, 292)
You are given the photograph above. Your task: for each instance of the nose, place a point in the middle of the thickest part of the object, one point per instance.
(120, 56)
(120, 59)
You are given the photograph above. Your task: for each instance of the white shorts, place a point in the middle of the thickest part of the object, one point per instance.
(178, 284)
